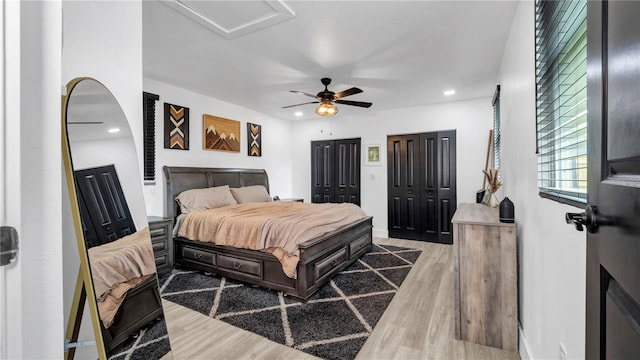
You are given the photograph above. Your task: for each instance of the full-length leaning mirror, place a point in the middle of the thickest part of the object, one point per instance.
(117, 265)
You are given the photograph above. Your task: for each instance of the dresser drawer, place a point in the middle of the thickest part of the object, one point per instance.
(198, 256)
(329, 263)
(246, 266)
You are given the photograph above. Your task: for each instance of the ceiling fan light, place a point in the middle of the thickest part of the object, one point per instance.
(326, 108)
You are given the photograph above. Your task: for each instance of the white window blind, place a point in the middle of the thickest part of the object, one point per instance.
(561, 99)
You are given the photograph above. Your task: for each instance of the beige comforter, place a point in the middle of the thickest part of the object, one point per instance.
(275, 227)
(117, 267)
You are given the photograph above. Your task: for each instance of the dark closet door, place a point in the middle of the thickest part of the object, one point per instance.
(422, 186)
(403, 154)
(447, 200)
(347, 171)
(429, 188)
(322, 173)
(104, 205)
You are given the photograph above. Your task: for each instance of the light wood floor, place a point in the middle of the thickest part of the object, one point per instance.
(418, 324)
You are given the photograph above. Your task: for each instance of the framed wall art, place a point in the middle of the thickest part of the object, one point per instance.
(220, 134)
(176, 127)
(254, 133)
(372, 154)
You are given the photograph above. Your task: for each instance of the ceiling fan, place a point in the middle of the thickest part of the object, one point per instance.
(326, 99)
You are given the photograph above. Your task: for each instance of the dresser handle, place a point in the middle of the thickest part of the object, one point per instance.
(334, 262)
(197, 256)
(236, 265)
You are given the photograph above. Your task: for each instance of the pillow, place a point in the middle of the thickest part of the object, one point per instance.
(203, 199)
(251, 194)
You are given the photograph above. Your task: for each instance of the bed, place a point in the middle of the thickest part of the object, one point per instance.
(319, 260)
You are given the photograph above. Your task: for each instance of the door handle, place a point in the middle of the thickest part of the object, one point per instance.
(589, 219)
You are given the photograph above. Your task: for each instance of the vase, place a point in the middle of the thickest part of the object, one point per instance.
(493, 200)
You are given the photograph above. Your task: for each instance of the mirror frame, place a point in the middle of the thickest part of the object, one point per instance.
(85, 281)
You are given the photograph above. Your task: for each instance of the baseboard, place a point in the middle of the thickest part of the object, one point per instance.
(524, 347)
(380, 233)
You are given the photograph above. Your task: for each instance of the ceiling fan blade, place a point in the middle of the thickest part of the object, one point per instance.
(312, 102)
(354, 103)
(348, 92)
(302, 93)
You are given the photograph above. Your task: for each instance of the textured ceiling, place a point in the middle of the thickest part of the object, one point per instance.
(401, 53)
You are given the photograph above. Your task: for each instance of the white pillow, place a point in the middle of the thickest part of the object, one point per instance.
(251, 194)
(203, 199)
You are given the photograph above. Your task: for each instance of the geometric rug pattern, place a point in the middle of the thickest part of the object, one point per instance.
(332, 324)
(151, 342)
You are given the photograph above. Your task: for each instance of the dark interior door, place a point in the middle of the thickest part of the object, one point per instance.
(447, 199)
(403, 154)
(429, 188)
(105, 206)
(613, 250)
(347, 171)
(322, 174)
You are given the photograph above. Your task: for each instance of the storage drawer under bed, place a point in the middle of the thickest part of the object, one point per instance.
(246, 266)
(198, 256)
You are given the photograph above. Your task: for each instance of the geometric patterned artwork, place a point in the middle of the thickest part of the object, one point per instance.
(176, 127)
(254, 133)
(220, 134)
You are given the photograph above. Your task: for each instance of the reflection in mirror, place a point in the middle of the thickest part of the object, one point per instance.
(114, 225)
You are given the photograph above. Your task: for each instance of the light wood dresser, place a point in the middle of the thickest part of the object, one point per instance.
(486, 278)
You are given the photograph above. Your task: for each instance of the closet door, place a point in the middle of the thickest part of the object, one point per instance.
(422, 186)
(106, 206)
(322, 174)
(347, 171)
(446, 174)
(403, 172)
(429, 187)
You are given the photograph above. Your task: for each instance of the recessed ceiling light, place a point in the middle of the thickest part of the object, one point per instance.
(114, 130)
(449, 92)
(298, 113)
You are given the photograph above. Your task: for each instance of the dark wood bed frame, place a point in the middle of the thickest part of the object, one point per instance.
(320, 258)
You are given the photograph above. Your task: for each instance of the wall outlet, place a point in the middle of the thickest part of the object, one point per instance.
(563, 352)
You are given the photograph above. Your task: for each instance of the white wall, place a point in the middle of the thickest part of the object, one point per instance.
(32, 327)
(102, 40)
(277, 140)
(471, 119)
(552, 255)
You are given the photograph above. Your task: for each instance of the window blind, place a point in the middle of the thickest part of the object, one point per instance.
(561, 99)
(496, 129)
(149, 135)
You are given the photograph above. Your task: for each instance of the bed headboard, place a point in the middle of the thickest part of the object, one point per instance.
(179, 179)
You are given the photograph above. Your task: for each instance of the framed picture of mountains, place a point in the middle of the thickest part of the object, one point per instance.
(220, 134)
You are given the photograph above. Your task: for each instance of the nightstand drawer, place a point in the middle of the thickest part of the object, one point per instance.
(159, 246)
(162, 243)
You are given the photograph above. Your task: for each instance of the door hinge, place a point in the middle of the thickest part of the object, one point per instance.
(8, 245)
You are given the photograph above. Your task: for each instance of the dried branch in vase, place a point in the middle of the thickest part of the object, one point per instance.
(492, 180)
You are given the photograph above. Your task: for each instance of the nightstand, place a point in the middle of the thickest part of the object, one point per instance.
(161, 240)
(292, 199)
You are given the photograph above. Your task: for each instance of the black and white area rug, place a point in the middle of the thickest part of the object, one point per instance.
(151, 342)
(333, 324)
